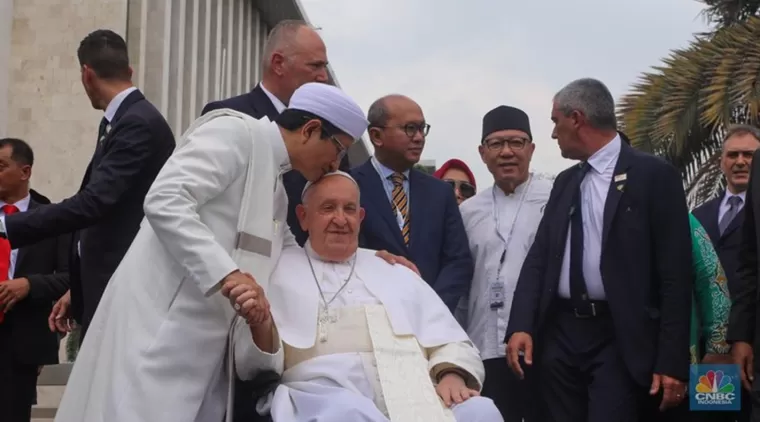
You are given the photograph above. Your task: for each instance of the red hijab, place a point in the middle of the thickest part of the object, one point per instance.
(455, 164)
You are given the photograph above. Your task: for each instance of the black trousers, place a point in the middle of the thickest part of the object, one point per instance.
(18, 388)
(517, 400)
(582, 374)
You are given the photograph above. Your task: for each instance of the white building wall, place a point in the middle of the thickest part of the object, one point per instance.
(43, 95)
(184, 53)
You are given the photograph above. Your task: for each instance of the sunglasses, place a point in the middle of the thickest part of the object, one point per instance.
(466, 189)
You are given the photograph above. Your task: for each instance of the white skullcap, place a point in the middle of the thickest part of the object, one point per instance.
(332, 173)
(331, 104)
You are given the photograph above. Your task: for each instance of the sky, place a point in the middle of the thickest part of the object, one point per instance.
(459, 59)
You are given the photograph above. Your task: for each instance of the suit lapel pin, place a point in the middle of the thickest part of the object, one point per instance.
(105, 132)
(620, 181)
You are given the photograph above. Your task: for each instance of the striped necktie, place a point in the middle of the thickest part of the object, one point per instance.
(401, 203)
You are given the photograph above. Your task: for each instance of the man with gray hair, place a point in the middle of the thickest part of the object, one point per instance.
(723, 218)
(604, 295)
(294, 54)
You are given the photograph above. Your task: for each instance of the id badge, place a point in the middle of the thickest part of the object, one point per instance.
(496, 296)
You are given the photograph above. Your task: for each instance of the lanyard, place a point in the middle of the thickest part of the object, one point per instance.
(497, 222)
(389, 193)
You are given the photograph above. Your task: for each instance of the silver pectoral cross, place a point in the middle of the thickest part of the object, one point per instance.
(325, 317)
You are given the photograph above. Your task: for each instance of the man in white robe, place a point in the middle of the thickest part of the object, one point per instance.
(501, 223)
(215, 222)
(357, 339)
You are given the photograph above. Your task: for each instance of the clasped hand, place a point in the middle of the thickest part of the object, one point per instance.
(246, 297)
(12, 292)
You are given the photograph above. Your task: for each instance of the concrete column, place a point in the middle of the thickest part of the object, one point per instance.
(6, 22)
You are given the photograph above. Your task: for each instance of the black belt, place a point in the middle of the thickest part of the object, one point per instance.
(589, 309)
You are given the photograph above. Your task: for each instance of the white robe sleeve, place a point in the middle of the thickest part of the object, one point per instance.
(217, 152)
(460, 355)
(249, 359)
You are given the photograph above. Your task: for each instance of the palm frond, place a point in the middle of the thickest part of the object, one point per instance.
(726, 13)
(681, 108)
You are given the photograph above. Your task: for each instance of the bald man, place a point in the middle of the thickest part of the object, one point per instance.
(410, 213)
(293, 55)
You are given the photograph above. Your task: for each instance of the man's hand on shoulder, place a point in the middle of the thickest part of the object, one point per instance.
(396, 259)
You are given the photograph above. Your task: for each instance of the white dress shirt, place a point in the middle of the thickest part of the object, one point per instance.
(115, 103)
(278, 105)
(23, 206)
(594, 189)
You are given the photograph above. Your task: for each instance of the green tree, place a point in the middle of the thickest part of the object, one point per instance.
(425, 169)
(681, 109)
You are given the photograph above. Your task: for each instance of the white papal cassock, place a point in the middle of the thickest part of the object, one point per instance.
(156, 348)
(498, 224)
(374, 355)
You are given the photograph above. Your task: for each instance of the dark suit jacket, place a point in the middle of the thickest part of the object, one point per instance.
(728, 245)
(257, 105)
(743, 321)
(108, 208)
(25, 329)
(645, 264)
(438, 243)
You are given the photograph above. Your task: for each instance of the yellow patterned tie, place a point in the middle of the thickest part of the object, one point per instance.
(401, 203)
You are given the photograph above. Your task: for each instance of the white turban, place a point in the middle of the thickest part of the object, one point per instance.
(333, 173)
(331, 104)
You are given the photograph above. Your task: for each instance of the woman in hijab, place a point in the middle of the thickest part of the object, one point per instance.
(456, 173)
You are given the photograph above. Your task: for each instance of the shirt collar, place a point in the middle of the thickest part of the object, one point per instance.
(280, 153)
(314, 257)
(115, 103)
(606, 155)
(278, 105)
(22, 205)
(386, 172)
(728, 194)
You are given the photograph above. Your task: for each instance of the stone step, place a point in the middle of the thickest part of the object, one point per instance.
(48, 399)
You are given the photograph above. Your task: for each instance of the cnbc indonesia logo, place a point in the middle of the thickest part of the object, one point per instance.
(716, 388)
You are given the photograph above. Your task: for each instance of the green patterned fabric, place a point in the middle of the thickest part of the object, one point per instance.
(710, 299)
